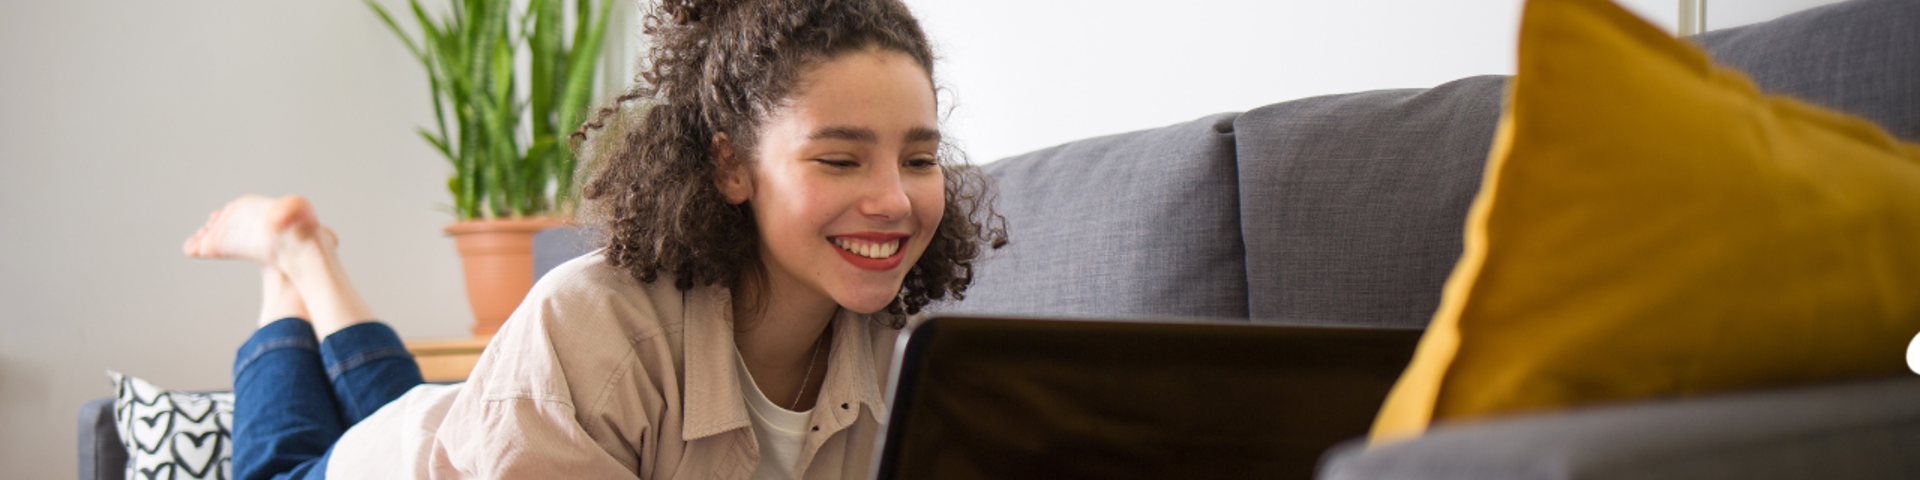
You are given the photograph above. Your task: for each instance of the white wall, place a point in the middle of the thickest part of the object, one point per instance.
(123, 123)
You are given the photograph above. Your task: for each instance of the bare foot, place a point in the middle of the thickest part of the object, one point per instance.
(256, 228)
(300, 268)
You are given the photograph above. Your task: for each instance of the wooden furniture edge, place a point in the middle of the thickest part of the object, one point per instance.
(447, 360)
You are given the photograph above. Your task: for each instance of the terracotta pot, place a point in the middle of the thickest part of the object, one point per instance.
(497, 257)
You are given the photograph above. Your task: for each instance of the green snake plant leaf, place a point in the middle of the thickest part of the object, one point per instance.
(589, 36)
(438, 144)
(544, 45)
(429, 46)
(581, 63)
(391, 25)
(499, 168)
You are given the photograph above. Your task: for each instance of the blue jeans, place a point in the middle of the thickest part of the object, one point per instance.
(294, 395)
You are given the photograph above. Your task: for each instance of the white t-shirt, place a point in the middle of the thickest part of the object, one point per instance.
(780, 432)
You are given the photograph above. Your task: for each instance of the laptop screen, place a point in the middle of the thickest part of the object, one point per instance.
(984, 397)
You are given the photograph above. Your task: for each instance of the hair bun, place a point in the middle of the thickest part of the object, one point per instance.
(685, 12)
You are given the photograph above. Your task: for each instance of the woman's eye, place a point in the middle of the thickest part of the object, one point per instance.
(922, 163)
(836, 163)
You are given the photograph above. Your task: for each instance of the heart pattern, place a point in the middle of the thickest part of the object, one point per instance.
(196, 455)
(172, 435)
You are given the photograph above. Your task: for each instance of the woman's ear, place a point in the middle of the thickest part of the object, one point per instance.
(731, 176)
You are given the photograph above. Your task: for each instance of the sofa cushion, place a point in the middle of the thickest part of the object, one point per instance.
(1860, 57)
(1351, 205)
(1137, 224)
(1652, 225)
(170, 434)
(1864, 430)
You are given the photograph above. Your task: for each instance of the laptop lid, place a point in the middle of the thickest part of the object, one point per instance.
(976, 397)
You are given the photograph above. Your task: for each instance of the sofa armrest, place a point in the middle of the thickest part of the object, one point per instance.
(102, 457)
(1856, 430)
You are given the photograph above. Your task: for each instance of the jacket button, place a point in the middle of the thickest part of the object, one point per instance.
(816, 428)
(843, 406)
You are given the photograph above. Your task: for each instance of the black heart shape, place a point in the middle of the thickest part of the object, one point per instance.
(153, 423)
(181, 407)
(129, 393)
(207, 459)
(154, 474)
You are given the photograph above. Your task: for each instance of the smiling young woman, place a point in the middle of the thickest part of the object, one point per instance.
(782, 202)
(846, 194)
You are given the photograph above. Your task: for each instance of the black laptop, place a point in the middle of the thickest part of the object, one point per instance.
(976, 397)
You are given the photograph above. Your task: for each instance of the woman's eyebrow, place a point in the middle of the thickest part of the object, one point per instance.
(867, 135)
(838, 132)
(922, 134)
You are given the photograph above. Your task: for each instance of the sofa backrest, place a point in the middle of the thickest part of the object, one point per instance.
(1349, 207)
(1860, 57)
(1352, 205)
(1138, 224)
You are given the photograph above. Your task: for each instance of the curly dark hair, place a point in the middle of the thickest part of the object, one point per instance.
(724, 66)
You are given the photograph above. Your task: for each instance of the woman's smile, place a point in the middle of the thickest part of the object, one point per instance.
(871, 250)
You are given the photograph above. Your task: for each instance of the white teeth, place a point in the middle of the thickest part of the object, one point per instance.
(868, 249)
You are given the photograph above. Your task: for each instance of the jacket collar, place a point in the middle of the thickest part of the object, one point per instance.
(852, 375)
(713, 400)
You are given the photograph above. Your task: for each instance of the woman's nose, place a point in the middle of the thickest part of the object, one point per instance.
(886, 196)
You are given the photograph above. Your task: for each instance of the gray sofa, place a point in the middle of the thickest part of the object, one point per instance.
(1348, 209)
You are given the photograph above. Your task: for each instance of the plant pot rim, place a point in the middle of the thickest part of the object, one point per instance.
(523, 224)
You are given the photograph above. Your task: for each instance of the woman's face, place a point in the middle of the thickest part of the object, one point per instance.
(845, 185)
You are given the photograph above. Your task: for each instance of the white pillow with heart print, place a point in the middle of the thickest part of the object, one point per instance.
(172, 435)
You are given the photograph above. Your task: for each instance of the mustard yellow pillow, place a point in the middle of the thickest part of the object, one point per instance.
(1651, 225)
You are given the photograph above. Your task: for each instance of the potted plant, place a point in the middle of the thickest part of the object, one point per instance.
(510, 179)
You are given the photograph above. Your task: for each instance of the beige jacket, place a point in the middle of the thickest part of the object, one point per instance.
(599, 376)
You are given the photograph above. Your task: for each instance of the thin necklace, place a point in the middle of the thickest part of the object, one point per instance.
(803, 380)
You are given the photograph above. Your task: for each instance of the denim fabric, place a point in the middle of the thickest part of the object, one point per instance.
(368, 367)
(294, 395)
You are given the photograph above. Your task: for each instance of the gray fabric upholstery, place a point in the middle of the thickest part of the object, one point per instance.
(1143, 223)
(554, 246)
(1352, 205)
(1862, 430)
(1861, 57)
(102, 457)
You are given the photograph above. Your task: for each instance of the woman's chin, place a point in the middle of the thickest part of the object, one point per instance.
(867, 304)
